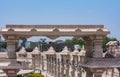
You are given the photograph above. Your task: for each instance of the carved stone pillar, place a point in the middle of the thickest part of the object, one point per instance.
(43, 62)
(11, 72)
(79, 73)
(11, 47)
(97, 72)
(40, 65)
(58, 68)
(72, 67)
(51, 65)
(72, 71)
(119, 71)
(62, 67)
(48, 64)
(89, 47)
(62, 70)
(13, 67)
(67, 65)
(98, 51)
(67, 70)
(55, 65)
(88, 72)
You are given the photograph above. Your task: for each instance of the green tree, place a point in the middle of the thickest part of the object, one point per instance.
(106, 40)
(75, 41)
(3, 44)
(82, 42)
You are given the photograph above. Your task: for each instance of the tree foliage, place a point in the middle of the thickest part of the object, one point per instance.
(24, 41)
(3, 44)
(82, 42)
(106, 40)
(75, 41)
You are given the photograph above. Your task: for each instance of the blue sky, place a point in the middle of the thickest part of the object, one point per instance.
(106, 12)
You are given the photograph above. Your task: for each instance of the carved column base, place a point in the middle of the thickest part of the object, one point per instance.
(88, 72)
(97, 74)
(67, 72)
(58, 74)
(72, 73)
(119, 71)
(11, 72)
(79, 75)
(62, 72)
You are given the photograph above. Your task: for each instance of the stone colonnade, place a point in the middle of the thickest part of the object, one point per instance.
(67, 63)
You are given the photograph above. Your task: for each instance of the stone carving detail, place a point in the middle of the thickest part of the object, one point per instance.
(55, 30)
(78, 30)
(33, 29)
(10, 29)
(100, 30)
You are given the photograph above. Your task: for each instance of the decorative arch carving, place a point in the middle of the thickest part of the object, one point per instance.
(78, 30)
(55, 30)
(99, 30)
(33, 29)
(10, 29)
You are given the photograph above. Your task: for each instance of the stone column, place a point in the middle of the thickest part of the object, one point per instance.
(11, 47)
(58, 68)
(12, 72)
(40, 64)
(79, 74)
(119, 71)
(89, 47)
(67, 70)
(72, 71)
(98, 51)
(53, 69)
(47, 63)
(88, 72)
(55, 65)
(62, 67)
(72, 68)
(97, 72)
(50, 64)
(67, 65)
(43, 62)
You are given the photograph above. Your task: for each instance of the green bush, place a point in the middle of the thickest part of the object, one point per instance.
(35, 75)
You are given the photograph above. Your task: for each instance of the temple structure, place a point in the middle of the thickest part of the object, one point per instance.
(58, 64)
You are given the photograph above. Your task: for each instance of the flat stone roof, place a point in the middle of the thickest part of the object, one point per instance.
(54, 31)
(54, 26)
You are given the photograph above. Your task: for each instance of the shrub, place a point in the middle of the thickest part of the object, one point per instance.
(36, 75)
